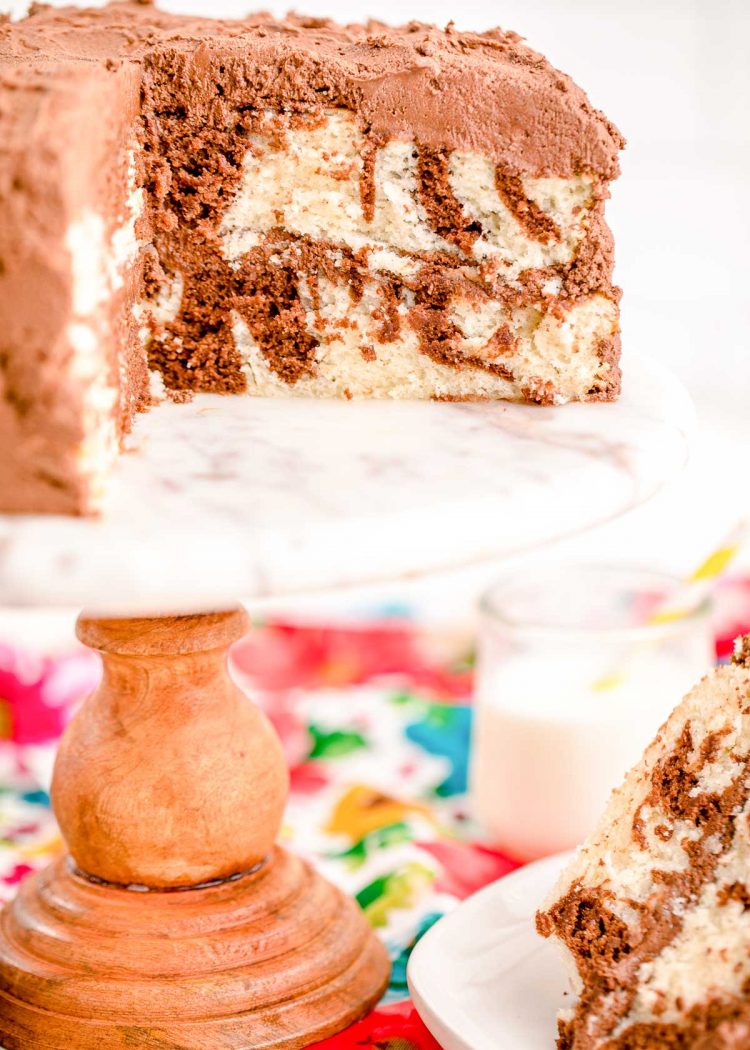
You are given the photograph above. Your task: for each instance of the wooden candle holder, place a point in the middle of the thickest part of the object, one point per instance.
(175, 923)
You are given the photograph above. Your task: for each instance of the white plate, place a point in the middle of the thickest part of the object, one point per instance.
(482, 979)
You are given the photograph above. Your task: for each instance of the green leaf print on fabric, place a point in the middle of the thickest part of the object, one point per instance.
(400, 889)
(334, 743)
(381, 838)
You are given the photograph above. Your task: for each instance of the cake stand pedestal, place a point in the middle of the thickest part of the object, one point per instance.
(176, 923)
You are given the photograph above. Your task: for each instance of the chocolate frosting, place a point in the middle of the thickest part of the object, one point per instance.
(44, 184)
(449, 90)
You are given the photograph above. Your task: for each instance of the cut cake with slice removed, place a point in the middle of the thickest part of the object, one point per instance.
(653, 912)
(285, 208)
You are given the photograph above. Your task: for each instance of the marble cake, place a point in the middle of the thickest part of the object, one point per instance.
(285, 208)
(653, 913)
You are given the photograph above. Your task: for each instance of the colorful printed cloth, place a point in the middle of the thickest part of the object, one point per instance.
(375, 723)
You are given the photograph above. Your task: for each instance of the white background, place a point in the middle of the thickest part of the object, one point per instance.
(674, 76)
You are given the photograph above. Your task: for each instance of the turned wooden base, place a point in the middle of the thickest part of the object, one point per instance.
(168, 785)
(279, 958)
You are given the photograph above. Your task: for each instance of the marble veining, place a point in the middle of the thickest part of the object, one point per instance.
(231, 497)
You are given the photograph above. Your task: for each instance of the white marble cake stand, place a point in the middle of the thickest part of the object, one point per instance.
(231, 496)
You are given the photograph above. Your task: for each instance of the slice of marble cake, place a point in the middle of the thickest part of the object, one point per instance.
(318, 210)
(653, 913)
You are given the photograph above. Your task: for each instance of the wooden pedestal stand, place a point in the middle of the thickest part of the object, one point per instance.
(175, 922)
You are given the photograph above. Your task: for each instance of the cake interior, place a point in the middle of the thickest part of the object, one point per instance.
(654, 911)
(344, 269)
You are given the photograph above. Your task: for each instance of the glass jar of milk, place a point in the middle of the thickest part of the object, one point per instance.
(571, 688)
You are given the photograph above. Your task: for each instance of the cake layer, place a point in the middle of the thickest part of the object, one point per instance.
(654, 911)
(288, 208)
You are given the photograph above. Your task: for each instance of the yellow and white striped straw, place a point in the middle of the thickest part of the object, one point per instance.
(700, 583)
(693, 592)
